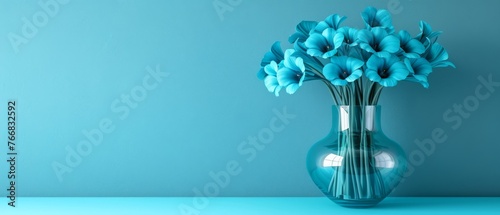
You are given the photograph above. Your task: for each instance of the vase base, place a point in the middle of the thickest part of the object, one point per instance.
(357, 203)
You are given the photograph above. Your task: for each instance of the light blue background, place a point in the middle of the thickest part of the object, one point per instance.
(91, 52)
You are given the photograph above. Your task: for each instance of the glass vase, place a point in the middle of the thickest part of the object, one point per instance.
(356, 165)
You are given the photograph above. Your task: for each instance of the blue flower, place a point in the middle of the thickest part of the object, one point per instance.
(377, 18)
(292, 74)
(438, 56)
(271, 81)
(325, 44)
(410, 48)
(378, 41)
(276, 55)
(426, 34)
(303, 30)
(350, 35)
(386, 70)
(419, 69)
(343, 70)
(435, 53)
(333, 21)
(310, 62)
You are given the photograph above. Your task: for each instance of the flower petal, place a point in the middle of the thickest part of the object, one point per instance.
(388, 82)
(271, 69)
(415, 46)
(292, 88)
(289, 61)
(354, 75)
(387, 70)
(272, 85)
(338, 39)
(418, 66)
(368, 15)
(372, 75)
(303, 29)
(333, 21)
(426, 32)
(339, 82)
(389, 44)
(398, 71)
(299, 64)
(276, 54)
(365, 36)
(315, 52)
(385, 20)
(329, 54)
(412, 48)
(377, 18)
(261, 74)
(342, 70)
(287, 76)
(354, 63)
(332, 71)
(404, 36)
(350, 35)
(438, 56)
(374, 62)
(315, 44)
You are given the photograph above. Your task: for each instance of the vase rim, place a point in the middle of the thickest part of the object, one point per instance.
(356, 105)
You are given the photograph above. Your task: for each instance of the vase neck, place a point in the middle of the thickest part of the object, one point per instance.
(357, 118)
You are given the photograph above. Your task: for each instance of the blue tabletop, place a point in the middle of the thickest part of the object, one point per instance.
(246, 206)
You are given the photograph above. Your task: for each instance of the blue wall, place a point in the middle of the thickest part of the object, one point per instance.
(167, 92)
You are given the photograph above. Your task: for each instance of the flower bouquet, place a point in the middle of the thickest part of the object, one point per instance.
(355, 65)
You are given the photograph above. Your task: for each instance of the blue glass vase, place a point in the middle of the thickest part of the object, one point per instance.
(356, 165)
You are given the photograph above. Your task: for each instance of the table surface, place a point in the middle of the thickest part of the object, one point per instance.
(246, 206)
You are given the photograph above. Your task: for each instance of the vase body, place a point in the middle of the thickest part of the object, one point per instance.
(356, 165)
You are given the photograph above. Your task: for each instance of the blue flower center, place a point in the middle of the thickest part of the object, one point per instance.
(406, 48)
(375, 23)
(344, 74)
(326, 48)
(384, 73)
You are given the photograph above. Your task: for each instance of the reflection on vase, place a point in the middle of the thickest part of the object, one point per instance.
(356, 165)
